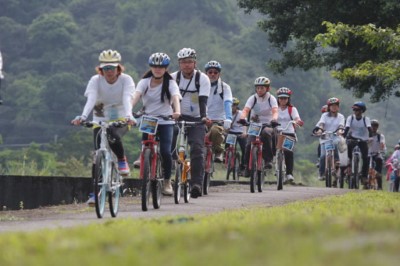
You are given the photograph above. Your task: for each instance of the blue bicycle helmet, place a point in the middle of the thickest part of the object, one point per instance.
(159, 59)
(213, 64)
(360, 105)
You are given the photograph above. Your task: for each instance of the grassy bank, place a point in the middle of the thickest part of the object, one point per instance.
(353, 229)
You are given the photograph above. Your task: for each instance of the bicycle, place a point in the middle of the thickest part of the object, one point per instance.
(372, 182)
(354, 174)
(283, 142)
(328, 144)
(232, 156)
(256, 161)
(107, 180)
(182, 170)
(151, 171)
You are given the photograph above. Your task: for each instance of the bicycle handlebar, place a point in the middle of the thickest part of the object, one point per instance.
(106, 124)
(291, 122)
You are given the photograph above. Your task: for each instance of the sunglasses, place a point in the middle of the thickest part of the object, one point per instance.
(107, 68)
(356, 109)
(212, 72)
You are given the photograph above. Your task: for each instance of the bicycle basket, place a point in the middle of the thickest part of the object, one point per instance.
(231, 139)
(254, 129)
(148, 125)
(285, 142)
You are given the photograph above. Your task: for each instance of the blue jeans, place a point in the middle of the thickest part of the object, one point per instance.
(165, 134)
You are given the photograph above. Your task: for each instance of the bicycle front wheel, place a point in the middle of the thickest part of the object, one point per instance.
(254, 172)
(354, 183)
(229, 164)
(115, 191)
(261, 177)
(186, 188)
(329, 168)
(236, 167)
(146, 179)
(178, 183)
(100, 183)
(156, 185)
(280, 170)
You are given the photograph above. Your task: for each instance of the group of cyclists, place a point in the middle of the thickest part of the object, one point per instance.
(192, 95)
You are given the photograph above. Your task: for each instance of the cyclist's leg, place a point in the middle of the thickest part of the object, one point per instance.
(242, 143)
(289, 164)
(378, 168)
(217, 138)
(247, 155)
(174, 139)
(196, 136)
(117, 147)
(165, 135)
(267, 151)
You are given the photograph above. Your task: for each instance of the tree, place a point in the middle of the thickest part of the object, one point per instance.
(293, 25)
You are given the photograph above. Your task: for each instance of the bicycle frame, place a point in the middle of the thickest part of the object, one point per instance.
(152, 144)
(355, 165)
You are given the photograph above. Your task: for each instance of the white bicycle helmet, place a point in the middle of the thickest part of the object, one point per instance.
(262, 81)
(213, 64)
(109, 57)
(186, 53)
(159, 59)
(284, 92)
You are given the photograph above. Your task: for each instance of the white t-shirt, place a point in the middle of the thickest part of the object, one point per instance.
(190, 99)
(284, 118)
(358, 128)
(236, 127)
(110, 101)
(331, 123)
(215, 104)
(151, 98)
(263, 106)
(375, 146)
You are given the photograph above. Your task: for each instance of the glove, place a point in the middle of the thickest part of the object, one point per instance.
(300, 123)
(314, 131)
(242, 121)
(227, 123)
(274, 124)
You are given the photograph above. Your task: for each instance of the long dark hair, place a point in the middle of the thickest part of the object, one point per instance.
(165, 85)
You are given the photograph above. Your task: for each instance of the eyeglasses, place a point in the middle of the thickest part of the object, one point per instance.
(212, 72)
(356, 109)
(107, 68)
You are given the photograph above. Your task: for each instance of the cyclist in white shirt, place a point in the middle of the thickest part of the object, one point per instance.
(219, 108)
(377, 149)
(359, 127)
(159, 93)
(109, 95)
(195, 89)
(286, 113)
(329, 121)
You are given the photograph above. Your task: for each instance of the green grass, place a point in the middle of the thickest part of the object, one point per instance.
(361, 228)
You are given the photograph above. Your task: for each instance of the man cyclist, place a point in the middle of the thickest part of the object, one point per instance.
(219, 108)
(331, 121)
(109, 95)
(263, 108)
(358, 126)
(377, 149)
(194, 87)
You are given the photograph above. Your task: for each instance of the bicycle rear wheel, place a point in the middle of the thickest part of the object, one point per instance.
(178, 183)
(253, 173)
(115, 191)
(355, 176)
(100, 184)
(261, 177)
(229, 164)
(146, 180)
(186, 188)
(236, 167)
(280, 170)
(328, 170)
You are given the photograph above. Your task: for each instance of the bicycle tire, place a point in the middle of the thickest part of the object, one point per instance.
(115, 191)
(280, 170)
(156, 185)
(208, 171)
(229, 167)
(186, 188)
(178, 183)
(354, 176)
(253, 173)
(100, 187)
(261, 177)
(341, 178)
(206, 183)
(328, 169)
(236, 167)
(146, 179)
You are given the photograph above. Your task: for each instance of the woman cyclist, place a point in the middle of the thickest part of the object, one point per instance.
(109, 95)
(286, 113)
(331, 121)
(359, 127)
(160, 96)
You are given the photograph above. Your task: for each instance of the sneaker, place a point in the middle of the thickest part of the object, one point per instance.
(167, 188)
(321, 177)
(218, 158)
(136, 164)
(290, 178)
(91, 201)
(195, 192)
(123, 167)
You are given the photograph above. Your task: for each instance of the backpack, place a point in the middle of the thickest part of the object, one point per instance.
(352, 118)
(164, 89)
(196, 81)
(222, 90)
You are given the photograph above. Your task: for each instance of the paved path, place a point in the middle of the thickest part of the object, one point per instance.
(220, 198)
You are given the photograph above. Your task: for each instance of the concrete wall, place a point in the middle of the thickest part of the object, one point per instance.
(29, 192)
